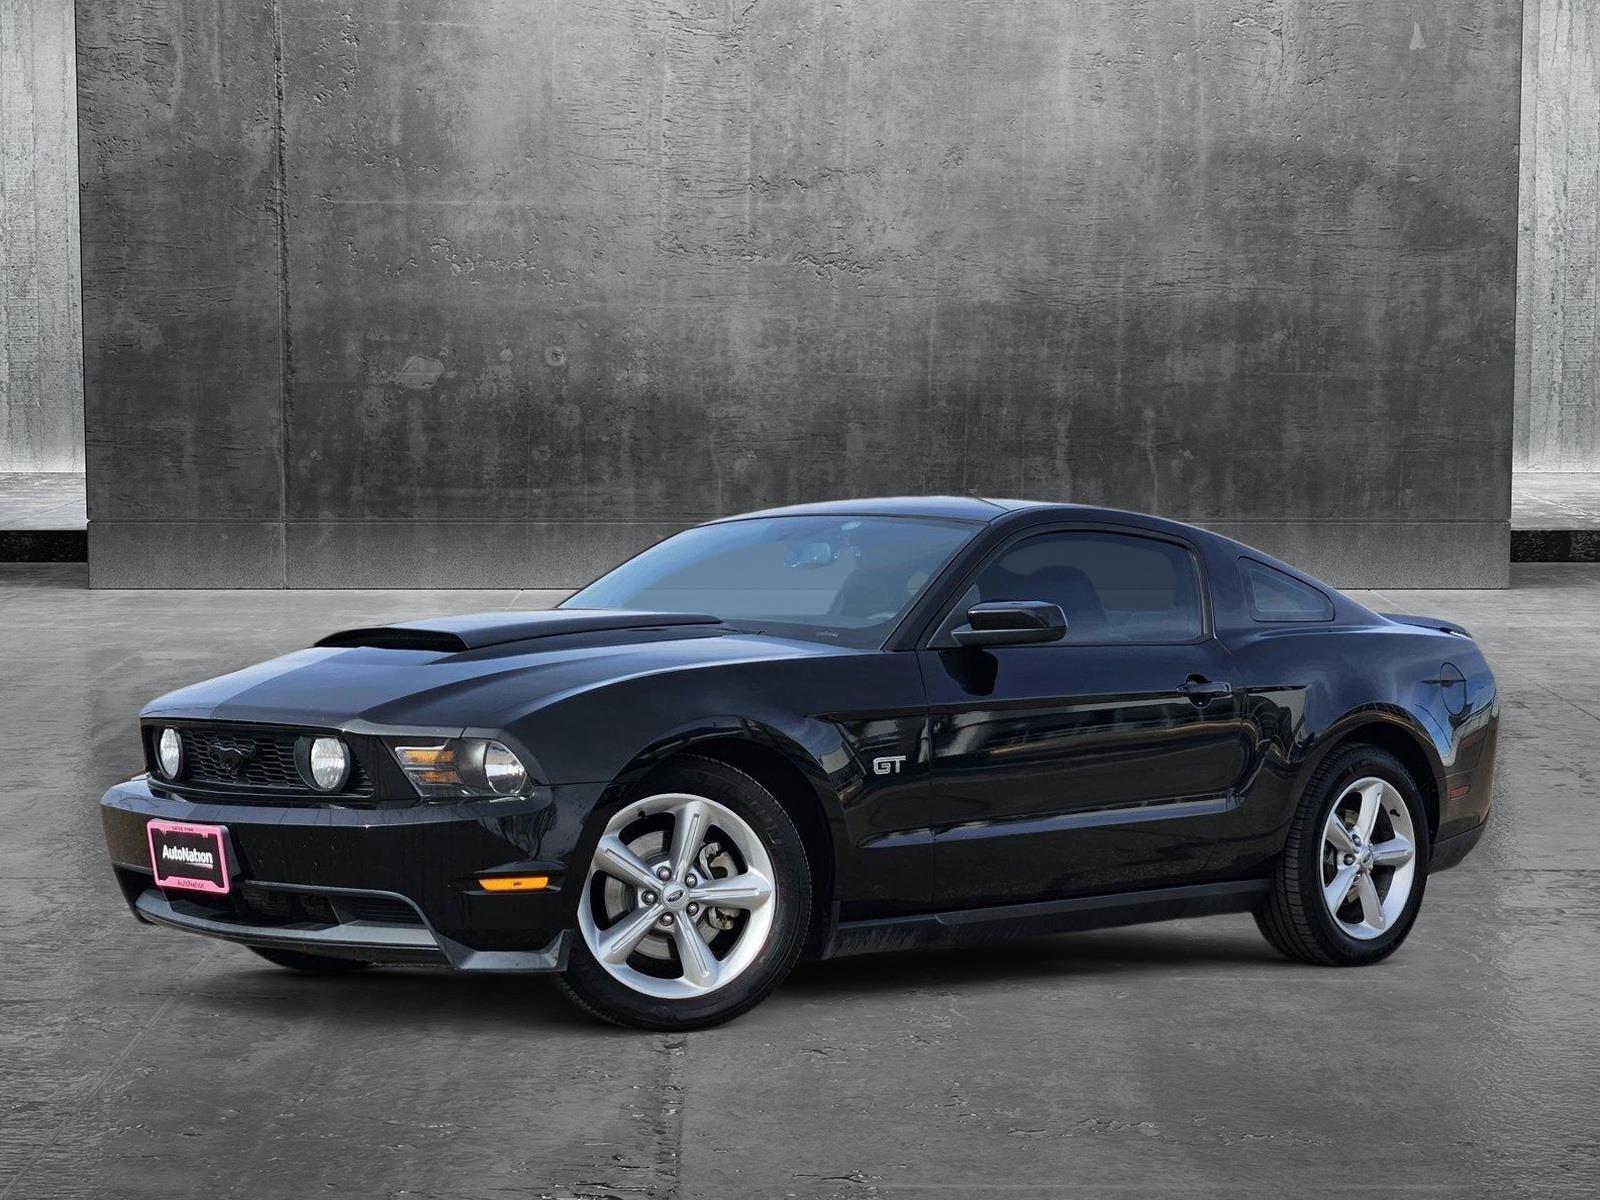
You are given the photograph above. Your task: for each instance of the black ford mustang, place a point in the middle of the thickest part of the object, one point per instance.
(829, 729)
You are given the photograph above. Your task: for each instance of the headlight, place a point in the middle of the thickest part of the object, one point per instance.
(461, 767)
(503, 770)
(169, 753)
(328, 764)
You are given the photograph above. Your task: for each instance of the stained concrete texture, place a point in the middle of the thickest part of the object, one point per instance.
(42, 500)
(41, 324)
(1175, 1060)
(42, 517)
(1558, 261)
(564, 274)
(1555, 500)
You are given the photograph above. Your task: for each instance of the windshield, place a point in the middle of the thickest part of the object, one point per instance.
(838, 579)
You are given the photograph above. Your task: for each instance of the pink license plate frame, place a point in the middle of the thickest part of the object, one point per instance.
(189, 857)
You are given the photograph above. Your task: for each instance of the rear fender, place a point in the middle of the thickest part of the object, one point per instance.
(1386, 721)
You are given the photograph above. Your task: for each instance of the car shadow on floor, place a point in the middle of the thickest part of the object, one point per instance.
(436, 999)
(1148, 950)
(428, 997)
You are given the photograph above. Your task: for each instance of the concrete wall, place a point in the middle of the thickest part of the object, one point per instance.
(1558, 333)
(492, 292)
(41, 348)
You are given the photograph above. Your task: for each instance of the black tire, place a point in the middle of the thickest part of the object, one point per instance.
(1293, 916)
(592, 988)
(310, 964)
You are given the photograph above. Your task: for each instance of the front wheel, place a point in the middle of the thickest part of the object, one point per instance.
(695, 904)
(1349, 885)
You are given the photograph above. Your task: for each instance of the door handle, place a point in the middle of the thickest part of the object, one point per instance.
(1203, 691)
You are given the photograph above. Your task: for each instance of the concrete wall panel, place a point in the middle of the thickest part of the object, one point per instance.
(41, 346)
(203, 554)
(601, 264)
(480, 554)
(181, 263)
(1558, 313)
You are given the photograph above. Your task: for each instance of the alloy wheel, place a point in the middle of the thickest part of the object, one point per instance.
(1369, 854)
(680, 896)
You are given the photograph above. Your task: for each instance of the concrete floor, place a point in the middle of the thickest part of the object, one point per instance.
(42, 500)
(1183, 1059)
(1555, 500)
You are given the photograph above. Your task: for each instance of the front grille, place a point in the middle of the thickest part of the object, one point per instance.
(385, 909)
(252, 904)
(269, 758)
(240, 760)
(269, 906)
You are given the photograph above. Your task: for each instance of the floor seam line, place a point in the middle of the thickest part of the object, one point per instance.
(108, 1074)
(1550, 692)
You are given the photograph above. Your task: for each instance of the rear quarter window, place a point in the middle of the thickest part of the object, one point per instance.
(1274, 596)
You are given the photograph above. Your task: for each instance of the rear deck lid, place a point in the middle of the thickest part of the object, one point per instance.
(1438, 623)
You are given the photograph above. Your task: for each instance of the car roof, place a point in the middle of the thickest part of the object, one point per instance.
(959, 508)
(1023, 514)
(986, 509)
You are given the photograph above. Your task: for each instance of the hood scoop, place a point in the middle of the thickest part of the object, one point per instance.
(453, 635)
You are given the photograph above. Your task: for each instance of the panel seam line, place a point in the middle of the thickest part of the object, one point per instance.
(285, 335)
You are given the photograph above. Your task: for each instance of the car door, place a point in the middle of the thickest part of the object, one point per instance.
(1107, 761)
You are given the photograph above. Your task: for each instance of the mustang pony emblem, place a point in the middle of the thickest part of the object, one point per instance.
(231, 757)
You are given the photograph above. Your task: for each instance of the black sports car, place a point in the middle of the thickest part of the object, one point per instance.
(829, 729)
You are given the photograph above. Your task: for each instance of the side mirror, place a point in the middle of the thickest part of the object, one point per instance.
(1012, 623)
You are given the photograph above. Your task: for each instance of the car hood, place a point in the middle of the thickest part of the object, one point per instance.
(482, 671)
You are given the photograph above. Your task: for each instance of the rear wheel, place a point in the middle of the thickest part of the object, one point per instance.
(311, 964)
(695, 904)
(1349, 885)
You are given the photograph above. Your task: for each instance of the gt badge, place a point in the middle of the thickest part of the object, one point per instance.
(889, 764)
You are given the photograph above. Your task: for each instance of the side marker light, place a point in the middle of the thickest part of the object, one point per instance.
(514, 883)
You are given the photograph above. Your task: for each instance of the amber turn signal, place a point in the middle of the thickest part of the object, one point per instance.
(514, 883)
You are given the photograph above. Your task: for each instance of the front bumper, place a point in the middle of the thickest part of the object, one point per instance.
(385, 884)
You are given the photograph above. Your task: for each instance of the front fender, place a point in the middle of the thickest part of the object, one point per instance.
(809, 748)
(821, 719)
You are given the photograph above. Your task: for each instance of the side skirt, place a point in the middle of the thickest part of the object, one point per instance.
(967, 925)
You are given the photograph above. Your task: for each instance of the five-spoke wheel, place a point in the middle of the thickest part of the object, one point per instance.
(1349, 882)
(695, 901)
(679, 896)
(1369, 857)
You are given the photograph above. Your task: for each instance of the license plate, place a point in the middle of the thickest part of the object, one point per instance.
(190, 857)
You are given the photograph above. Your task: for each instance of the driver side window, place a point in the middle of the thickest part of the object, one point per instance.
(1113, 587)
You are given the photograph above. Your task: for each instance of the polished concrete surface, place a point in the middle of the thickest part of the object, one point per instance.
(1175, 1060)
(1555, 500)
(42, 500)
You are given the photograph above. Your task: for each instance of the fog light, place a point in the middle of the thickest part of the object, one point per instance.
(330, 764)
(169, 752)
